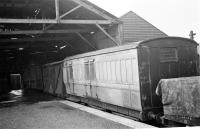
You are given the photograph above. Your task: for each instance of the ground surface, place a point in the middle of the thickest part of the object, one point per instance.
(34, 110)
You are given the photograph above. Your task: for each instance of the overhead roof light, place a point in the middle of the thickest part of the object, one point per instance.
(13, 38)
(92, 32)
(21, 49)
(62, 47)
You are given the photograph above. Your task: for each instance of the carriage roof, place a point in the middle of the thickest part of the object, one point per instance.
(131, 45)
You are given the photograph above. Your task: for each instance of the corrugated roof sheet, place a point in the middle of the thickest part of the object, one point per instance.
(135, 28)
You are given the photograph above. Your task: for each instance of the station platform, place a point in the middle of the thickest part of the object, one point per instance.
(35, 110)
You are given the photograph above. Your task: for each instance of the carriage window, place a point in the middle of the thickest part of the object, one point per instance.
(92, 71)
(70, 72)
(168, 55)
(87, 71)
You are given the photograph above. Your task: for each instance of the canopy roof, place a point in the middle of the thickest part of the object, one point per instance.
(42, 25)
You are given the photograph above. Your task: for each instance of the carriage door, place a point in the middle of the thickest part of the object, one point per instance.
(90, 78)
(70, 78)
(163, 65)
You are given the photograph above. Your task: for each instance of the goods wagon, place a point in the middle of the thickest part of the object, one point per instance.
(124, 78)
(181, 100)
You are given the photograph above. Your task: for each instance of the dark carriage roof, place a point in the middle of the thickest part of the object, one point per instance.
(178, 38)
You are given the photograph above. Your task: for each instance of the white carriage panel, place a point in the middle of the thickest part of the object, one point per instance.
(135, 100)
(135, 72)
(75, 68)
(97, 70)
(113, 74)
(92, 72)
(77, 73)
(79, 90)
(87, 72)
(129, 70)
(118, 72)
(126, 98)
(123, 71)
(65, 73)
(81, 71)
(101, 71)
(109, 71)
(108, 95)
(115, 96)
(75, 77)
(127, 73)
(105, 74)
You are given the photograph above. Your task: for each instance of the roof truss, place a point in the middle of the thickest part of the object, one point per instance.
(54, 21)
(92, 9)
(54, 24)
(42, 31)
(107, 34)
(42, 39)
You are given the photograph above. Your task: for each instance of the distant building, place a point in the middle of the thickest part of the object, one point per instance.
(135, 28)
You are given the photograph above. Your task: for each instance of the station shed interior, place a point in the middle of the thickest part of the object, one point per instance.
(37, 32)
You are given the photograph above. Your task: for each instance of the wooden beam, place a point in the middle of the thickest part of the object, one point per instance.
(57, 10)
(12, 47)
(120, 36)
(86, 22)
(48, 27)
(65, 14)
(53, 21)
(9, 4)
(86, 41)
(43, 52)
(27, 21)
(42, 32)
(107, 34)
(70, 11)
(31, 45)
(93, 9)
(46, 39)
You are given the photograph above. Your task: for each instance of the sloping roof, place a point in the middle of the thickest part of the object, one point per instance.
(47, 25)
(100, 9)
(43, 31)
(135, 28)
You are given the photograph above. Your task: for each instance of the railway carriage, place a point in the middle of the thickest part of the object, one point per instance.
(124, 78)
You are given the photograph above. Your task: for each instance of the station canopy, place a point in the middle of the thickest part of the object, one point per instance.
(50, 26)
